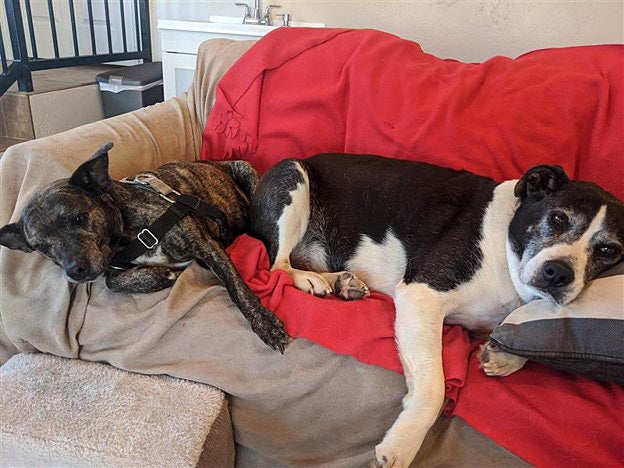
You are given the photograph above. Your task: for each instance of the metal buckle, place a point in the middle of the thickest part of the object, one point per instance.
(156, 185)
(144, 179)
(153, 240)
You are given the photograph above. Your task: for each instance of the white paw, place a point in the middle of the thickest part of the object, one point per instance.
(389, 455)
(496, 363)
(311, 282)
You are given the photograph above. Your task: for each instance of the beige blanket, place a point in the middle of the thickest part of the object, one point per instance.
(309, 406)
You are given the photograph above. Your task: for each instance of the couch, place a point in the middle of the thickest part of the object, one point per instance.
(308, 407)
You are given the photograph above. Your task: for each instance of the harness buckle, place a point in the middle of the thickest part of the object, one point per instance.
(157, 185)
(143, 179)
(150, 240)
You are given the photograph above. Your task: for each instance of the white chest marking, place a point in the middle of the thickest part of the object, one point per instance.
(490, 295)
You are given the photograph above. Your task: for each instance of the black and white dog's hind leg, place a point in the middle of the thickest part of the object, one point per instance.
(281, 212)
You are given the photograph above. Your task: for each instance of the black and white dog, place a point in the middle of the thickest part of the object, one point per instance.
(448, 246)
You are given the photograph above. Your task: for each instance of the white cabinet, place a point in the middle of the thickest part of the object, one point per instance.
(180, 41)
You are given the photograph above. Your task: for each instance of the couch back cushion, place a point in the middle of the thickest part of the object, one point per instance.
(299, 92)
(214, 58)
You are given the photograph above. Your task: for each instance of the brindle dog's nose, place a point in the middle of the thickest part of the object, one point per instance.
(77, 271)
(555, 274)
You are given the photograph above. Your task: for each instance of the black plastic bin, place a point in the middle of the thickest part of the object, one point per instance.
(129, 88)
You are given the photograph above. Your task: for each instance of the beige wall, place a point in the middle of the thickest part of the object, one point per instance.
(462, 29)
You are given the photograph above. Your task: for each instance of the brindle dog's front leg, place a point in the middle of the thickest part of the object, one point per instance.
(144, 279)
(263, 322)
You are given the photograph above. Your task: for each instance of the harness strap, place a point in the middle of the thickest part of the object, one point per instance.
(181, 206)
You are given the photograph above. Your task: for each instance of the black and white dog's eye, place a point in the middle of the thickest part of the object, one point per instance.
(79, 219)
(607, 250)
(558, 222)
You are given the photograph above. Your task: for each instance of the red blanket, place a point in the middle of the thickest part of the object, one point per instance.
(544, 416)
(301, 92)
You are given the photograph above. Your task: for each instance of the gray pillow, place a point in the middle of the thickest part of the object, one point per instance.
(585, 337)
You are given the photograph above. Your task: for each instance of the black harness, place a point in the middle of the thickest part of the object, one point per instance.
(181, 206)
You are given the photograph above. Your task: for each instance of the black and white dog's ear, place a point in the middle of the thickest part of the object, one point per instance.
(12, 236)
(540, 181)
(92, 175)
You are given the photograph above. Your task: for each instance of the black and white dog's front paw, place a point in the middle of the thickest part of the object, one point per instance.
(496, 363)
(350, 287)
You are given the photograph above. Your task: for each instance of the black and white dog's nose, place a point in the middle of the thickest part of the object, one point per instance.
(555, 274)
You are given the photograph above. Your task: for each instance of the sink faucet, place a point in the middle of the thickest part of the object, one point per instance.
(252, 16)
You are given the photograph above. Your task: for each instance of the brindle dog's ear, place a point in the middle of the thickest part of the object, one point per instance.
(92, 175)
(12, 236)
(540, 181)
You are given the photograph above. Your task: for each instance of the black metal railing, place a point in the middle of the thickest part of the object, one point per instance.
(23, 62)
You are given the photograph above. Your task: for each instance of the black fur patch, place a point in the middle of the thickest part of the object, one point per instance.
(435, 212)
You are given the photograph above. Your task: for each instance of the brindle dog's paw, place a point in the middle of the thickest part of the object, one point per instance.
(350, 287)
(496, 363)
(144, 279)
(270, 329)
(173, 275)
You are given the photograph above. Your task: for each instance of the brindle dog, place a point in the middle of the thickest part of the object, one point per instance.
(82, 222)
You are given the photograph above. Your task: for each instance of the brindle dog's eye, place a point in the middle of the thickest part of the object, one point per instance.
(607, 250)
(558, 222)
(79, 219)
(44, 249)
